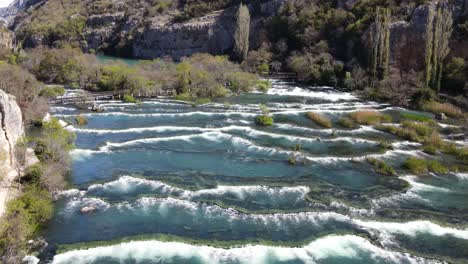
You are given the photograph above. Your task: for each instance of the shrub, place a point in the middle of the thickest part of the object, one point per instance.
(381, 167)
(319, 119)
(23, 219)
(292, 160)
(405, 133)
(81, 120)
(129, 99)
(263, 85)
(445, 108)
(385, 145)
(370, 117)
(264, 120)
(346, 122)
(422, 129)
(52, 91)
(416, 166)
(437, 167)
(460, 152)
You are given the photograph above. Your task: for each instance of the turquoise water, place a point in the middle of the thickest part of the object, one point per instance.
(111, 59)
(183, 184)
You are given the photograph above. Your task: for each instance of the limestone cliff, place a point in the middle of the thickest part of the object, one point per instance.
(408, 38)
(11, 130)
(6, 38)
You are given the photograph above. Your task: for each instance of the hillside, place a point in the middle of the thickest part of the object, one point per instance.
(335, 43)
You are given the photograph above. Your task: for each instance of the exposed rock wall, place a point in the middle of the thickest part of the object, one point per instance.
(209, 34)
(11, 130)
(6, 38)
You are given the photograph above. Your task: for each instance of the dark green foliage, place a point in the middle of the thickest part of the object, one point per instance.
(455, 76)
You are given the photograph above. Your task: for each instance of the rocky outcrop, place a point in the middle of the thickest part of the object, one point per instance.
(11, 130)
(408, 39)
(6, 38)
(209, 34)
(7, 14)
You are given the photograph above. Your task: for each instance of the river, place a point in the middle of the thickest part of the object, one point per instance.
(173, 183)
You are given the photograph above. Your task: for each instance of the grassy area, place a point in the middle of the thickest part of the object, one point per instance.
(446, 108)
(381, 167)
(346, 122)
(404, 133)
(319, 119)
(370, 117)
(81, 120)
(420, 166)
(415, 117)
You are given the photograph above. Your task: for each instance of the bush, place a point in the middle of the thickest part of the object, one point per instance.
(319, 119)
(263, 85)
(370, 117)
(52, 91)
(129, 99)
(405, 133)
(264, 120)
(437, 167)
(81, 120)
(446, 108)
(381, 167)
(346, 122)
(416, 166)
(23, 219)
(422, 129)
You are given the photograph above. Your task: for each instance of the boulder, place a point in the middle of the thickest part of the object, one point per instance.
(88, 210)
(440, 116)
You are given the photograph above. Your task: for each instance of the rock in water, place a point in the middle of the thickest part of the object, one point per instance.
(440, 116)
(88, 210)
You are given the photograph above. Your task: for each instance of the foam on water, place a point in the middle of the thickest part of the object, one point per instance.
(128, 184)
(345, 247)
(421, 187)
(414, 228)
(332, 95)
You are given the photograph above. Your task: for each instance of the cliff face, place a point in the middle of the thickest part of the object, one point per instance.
(408, 39)
(6, 38)
(209, 34)
(11, 130)
(11, 122)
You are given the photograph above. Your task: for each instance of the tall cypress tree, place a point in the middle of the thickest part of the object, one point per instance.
(242, 32)
(380, 43)
(439, 30)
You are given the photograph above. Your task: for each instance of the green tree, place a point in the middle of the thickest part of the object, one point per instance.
(439, 30)
(242, 32)
(380, 43)
(455, 75)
